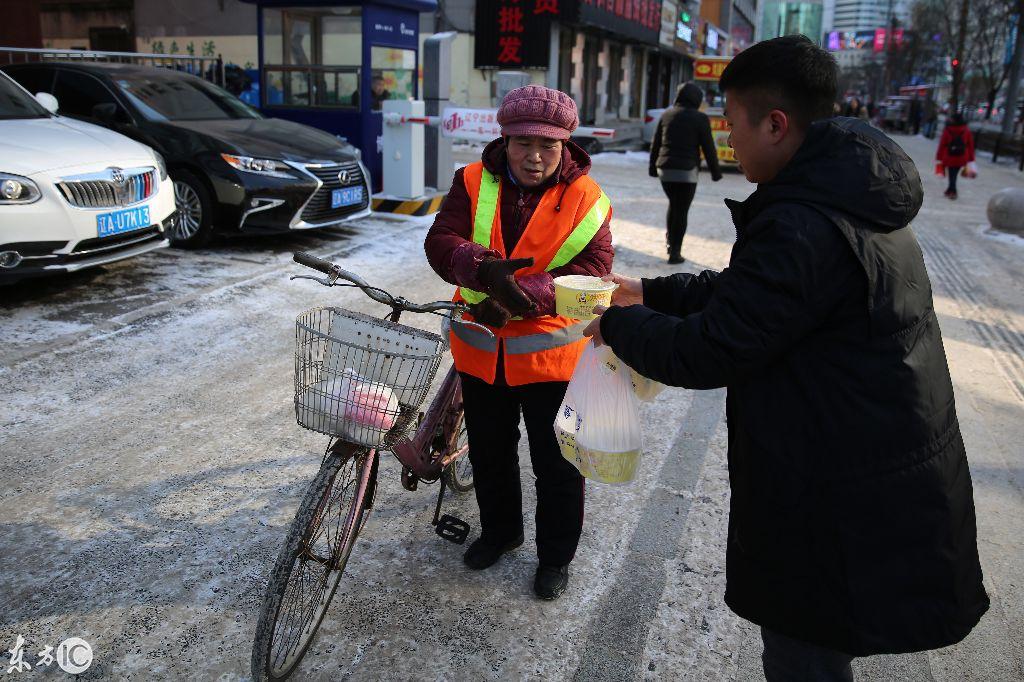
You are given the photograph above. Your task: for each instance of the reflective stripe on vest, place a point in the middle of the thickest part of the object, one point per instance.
(483, 223)
(535, 343)
(474, 337)
(520, 345)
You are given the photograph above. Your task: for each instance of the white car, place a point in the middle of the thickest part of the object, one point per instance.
(73, 195)
(651, 118)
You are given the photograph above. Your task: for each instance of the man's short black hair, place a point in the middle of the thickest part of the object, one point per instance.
(789, 73)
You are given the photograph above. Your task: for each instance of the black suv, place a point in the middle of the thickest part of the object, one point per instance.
(233, 170)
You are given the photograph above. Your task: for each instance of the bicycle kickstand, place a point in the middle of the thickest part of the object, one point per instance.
(449, 527)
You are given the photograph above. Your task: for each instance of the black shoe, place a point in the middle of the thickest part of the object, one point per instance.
(550, 581)
(482, 554)
(675, 259)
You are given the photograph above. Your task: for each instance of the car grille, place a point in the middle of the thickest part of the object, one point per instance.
(319, 210)
(100, 193)
(113, 242)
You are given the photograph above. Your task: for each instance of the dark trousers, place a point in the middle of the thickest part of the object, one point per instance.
(680, 196)
(791, 660)
(492, 423)
(951, 173)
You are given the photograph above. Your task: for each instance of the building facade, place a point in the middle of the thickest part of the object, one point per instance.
(789, 18)
(850, 16)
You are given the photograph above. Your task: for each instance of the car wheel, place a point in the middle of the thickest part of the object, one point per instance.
(194, 224)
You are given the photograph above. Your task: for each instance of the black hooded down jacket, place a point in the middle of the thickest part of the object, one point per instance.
(682, 132)
(852, 518)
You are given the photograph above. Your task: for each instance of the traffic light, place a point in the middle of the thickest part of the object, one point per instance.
(955, 62)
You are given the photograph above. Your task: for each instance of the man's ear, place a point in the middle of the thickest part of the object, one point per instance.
(778, 124)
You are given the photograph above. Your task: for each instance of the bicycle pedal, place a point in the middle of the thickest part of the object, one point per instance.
(452, 529)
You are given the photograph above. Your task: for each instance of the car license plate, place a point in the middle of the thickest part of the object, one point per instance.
(346, 196)
(122, 221)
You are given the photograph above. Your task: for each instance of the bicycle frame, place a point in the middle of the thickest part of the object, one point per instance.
(425, 457)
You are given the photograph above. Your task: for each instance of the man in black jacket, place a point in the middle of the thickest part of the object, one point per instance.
(851, 528)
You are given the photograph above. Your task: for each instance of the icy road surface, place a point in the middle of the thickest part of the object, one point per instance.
(152, 464)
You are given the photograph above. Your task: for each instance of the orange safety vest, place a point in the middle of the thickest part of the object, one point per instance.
(542, 348)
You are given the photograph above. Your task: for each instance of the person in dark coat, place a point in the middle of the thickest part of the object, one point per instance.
(956, 150)
(852, 526)
(683, 131)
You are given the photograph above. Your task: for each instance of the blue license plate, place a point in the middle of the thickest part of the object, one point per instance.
(122, 221)
(346, 196)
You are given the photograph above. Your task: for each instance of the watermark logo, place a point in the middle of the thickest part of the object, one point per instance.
(74, 655)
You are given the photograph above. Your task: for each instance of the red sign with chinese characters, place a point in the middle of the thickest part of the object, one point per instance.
(637, 19)
(515, 34)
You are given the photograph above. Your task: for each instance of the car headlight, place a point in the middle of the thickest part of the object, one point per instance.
(161, 164)
(15, 189)
(269, 167)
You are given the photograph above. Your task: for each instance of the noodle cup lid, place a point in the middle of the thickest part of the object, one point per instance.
(585, 283)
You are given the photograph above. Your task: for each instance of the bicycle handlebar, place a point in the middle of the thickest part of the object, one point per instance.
(335, 273)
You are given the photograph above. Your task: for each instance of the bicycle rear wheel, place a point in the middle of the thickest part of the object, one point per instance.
(459, 474)
(309, 567)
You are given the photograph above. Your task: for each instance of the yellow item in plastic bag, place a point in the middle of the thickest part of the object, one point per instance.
(598, 424)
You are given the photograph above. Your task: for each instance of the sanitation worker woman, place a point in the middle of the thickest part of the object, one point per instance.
(525, 213)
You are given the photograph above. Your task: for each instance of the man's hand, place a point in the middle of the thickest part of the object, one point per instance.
(498, 279)
(630, 291)
(593, 329)
(491, 313)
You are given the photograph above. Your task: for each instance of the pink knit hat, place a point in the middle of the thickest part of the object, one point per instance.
(536, 110)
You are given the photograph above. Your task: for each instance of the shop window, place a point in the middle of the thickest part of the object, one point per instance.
(614, 78)
(312, 57)
(636, 82)
(393, 75)
(566, 42)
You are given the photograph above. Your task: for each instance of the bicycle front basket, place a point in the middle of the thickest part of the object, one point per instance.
(361, 378)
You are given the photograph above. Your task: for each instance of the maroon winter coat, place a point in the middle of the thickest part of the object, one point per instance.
(454, 256)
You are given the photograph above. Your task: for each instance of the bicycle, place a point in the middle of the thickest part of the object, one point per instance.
(361, 380)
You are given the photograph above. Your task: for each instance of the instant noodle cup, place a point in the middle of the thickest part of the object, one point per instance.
(576, 295)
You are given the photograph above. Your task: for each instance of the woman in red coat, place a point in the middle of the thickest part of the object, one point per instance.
(956, 150)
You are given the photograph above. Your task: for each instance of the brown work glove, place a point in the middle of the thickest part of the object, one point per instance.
(497, 276)
(490, 312)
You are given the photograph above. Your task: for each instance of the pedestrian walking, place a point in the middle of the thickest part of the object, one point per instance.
(851, 526)
(956, 150)
(525, 213)
(683, 132)
(931, 117)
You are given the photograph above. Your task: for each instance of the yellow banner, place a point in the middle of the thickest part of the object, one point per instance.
(709, 69)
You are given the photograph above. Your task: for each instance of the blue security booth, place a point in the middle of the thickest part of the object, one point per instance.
(330, 64)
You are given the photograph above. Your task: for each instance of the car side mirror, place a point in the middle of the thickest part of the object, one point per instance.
(107, 113)
(48, 101)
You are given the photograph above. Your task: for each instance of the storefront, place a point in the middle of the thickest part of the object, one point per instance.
(331, 64)
(671, 64)
(605, 48)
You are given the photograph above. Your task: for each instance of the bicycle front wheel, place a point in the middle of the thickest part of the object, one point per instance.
(310, 565)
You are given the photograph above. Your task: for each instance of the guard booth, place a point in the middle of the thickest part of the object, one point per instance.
(331, 64)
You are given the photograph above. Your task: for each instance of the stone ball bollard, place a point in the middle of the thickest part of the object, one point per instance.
(1006, 210)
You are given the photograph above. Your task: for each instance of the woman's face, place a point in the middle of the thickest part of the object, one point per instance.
(533, 159)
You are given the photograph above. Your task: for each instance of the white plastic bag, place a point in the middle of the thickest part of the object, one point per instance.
(351, 408)
(598, 424)
(644, 388)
